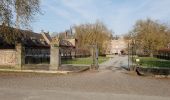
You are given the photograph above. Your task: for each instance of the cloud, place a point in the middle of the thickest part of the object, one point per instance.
(83, 8)
(118, 15)
(127, 13)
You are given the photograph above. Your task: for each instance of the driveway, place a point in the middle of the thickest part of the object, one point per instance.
(116, 62)
(111, 82)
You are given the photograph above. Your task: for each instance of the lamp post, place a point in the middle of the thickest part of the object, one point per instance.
(131, 46)
(133, 67)
(128, 55)
(132, 56)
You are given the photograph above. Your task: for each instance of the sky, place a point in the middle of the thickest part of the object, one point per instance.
(118, 15)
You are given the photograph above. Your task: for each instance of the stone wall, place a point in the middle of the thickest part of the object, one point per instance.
(153, 71)
(8, 57)
(13, 58)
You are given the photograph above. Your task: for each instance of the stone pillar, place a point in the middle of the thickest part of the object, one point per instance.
(94, 54)
(20, 56)
(54, 58)
(73, 54)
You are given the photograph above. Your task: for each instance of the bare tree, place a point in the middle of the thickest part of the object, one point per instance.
(88, 34)
(6, 12)
(24, 10)
(150, 35)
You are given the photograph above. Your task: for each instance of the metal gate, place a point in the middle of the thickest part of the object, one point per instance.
(159, 59)
(79, 57)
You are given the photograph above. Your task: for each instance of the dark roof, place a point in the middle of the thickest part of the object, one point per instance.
(48, 36)
(27, 38)
(65, 43)
(4, 45)
(167, 50)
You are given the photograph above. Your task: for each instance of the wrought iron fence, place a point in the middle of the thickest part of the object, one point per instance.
(156, 61)
(158, 58)
(37, 56)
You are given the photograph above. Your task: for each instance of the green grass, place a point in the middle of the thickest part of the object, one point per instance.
(86, 61)
(154, 62)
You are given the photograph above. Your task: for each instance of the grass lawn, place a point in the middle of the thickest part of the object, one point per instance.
(154, 62)
(87, 60)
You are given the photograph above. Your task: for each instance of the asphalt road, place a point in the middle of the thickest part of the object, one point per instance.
(111, 82)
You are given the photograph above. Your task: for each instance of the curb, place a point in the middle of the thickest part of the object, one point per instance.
(147, 73)
(79, 71)
(35, 71)
(43, 71)
(162, 76)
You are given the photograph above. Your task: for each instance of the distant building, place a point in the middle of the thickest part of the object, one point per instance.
(68, 38)
(69, 45)
(116, 46)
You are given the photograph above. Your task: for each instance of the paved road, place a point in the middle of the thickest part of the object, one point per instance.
(106, 84)
(116, 62)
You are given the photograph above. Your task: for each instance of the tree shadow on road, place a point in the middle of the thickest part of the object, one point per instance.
(114, 68)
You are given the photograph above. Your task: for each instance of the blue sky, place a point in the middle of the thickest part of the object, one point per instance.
(118, 15)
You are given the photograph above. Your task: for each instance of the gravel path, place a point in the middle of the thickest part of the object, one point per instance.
(108, 83)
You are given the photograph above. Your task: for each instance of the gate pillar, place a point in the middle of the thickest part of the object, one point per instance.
(20, 56)
(54, 58)
(94, 53)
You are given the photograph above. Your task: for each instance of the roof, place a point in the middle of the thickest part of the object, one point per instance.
(65, 43)
(32, 39)
(167, 50)
(27, 38)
